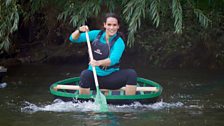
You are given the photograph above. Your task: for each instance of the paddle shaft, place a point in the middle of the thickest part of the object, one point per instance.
(100, 99)
(91, 58)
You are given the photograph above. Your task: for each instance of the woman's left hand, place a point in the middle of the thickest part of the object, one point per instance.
(95, 63)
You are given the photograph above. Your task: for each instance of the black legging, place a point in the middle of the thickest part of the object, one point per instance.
(115, 80)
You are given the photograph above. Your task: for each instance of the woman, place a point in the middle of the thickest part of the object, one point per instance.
(108, 48)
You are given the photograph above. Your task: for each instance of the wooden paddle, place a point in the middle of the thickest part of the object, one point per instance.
(100, 99)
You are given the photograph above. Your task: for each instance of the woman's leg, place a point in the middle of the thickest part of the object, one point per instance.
(121, 78)
(86, 82)
(130, 89)
(131, 83)
(118, 79)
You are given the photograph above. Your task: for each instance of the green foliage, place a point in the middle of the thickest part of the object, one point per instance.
(203, 20)
(9, 18)
(177, 14)
(133, 12)
(37, 5)
(154, 11)
(78, 11)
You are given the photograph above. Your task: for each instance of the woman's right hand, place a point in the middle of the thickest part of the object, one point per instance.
(84, 28)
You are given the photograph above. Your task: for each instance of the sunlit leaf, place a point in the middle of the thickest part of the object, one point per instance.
(177, 14)
(8, 2)
(203, 20)
(154, 10)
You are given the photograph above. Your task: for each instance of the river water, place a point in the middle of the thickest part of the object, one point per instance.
(189, 98)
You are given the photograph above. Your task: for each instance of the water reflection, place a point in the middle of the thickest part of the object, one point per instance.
(101, 119)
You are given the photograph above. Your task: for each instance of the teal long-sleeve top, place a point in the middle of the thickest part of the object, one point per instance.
(116, 50)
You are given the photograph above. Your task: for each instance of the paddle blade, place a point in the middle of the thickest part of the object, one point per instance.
(101, 101)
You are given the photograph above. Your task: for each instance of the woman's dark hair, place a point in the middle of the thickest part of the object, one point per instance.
(111, 15)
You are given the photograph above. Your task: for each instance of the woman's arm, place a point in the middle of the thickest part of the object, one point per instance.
(117, 51)
(75, 35)
(104, 62)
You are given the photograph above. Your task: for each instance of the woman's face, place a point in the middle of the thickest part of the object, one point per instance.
(111, 26)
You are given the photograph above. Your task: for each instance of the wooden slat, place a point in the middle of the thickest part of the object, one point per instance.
(75, 87)
(141, 92)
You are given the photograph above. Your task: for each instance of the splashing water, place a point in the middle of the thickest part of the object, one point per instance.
(61, 106)
(142, 107)
(3, 85)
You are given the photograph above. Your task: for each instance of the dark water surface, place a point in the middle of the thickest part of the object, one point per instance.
(190, 98)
